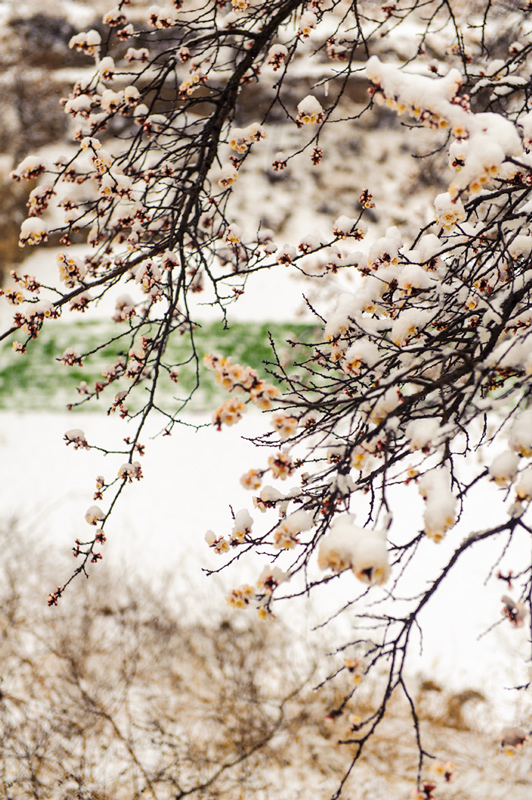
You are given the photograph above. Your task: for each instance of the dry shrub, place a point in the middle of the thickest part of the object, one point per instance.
(123, 692)
(13, 210)
(32, 115)
(40, 35)
(118, 694)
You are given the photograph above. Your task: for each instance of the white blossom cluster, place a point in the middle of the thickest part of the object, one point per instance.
(244, 380)
(487, 140)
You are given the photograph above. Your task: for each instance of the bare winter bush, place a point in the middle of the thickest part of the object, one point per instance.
(125, 693)
(424, 361)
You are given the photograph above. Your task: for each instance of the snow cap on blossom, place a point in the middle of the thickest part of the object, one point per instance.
(130, 470)
(33, 231)
(269, 496)
(147, 277)
(346, 226)
(228, 175)
(384, 406)
(131, 95)
(169, 260)
(309, 111)
(233, 234)
(276, 55)
(137, 54)
(238, 140)
(29, 168)
(286, 254)
(523, 487)
(308, 244)
(520, 246)
(161, 17)
(285, 536)
(210, 537)
(384, 250)
(124, 309)
(114, 17)
(362, 353)
(112, 371)
(82, 105)
(339, 321)
(241, 138)
(408, 324)
(87, 42)
(242, 526)
(370, 563)
(94, 515)
(141, 113)
(307, 23)
(520, 438)
(413, 277)
(440, 503)
(448, 211)
(71, 357)
(458, 154)
(116, 184)
(44, 308)
(428, 247)
(348, 546)
(335, 453)
(421, 433)
(76, 437)
(106, 68)
(155, 123)
(219, 544)
(503, 468)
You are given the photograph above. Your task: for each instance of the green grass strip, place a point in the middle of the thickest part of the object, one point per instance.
(37, 381)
